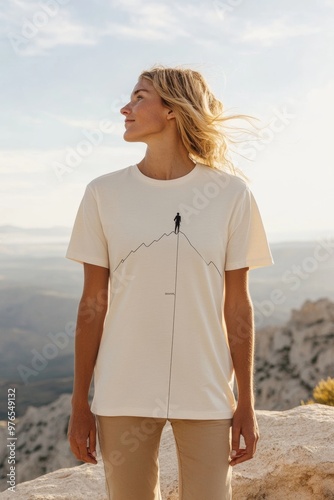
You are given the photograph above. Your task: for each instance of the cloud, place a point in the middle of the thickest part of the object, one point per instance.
(36, 27)
(147, 21)
(276, 31)
(26, 160)
(78, 123)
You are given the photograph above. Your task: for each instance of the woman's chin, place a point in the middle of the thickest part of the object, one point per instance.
(131, 137)
(127, 138)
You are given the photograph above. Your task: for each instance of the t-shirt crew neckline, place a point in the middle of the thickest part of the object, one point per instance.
(165, 182)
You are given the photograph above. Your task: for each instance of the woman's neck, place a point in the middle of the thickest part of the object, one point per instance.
(166, 165)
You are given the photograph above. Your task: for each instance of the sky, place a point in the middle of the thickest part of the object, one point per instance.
(68, 66)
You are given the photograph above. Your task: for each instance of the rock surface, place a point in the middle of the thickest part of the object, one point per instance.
(292, 359)
(295, 460)
(41, 445)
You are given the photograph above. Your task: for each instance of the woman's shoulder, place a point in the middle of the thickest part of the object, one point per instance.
(223, 178)
(110, 179)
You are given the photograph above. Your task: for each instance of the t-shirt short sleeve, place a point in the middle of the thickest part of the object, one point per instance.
(88, 242)
(247, 242)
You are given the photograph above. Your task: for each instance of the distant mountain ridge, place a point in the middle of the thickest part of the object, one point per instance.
(9, 229)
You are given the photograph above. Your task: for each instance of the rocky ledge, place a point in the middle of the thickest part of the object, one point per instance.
(295, 459)
(290, 360)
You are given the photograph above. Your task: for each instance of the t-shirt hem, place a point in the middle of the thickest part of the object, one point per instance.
(159, 413)
(89, 260)
(201, 415)
(252, 264)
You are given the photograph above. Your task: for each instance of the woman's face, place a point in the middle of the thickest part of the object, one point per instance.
(146, 118)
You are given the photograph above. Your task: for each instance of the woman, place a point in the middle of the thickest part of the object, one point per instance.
(174, 237)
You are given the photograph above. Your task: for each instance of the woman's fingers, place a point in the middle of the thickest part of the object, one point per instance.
(82, 437)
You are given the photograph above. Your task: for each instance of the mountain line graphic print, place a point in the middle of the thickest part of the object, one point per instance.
(176, 232)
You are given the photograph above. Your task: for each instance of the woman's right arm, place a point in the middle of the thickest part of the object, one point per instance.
(91, 315)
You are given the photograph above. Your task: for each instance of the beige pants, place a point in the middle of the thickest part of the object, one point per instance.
(130, 448)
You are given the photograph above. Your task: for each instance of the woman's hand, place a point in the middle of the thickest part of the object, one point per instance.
(82, 435)
(244, 424)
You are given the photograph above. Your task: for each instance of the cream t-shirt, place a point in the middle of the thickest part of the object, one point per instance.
(167, 243)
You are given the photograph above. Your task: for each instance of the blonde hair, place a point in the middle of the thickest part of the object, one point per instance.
(199, 114)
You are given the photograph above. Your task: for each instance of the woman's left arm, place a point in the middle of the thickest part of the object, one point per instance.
(238, 314)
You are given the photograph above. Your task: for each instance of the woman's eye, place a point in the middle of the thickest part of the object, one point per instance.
(139, 96)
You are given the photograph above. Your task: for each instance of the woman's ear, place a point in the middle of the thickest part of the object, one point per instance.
(170, 114)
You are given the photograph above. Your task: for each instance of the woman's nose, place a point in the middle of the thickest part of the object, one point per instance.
(124, 110)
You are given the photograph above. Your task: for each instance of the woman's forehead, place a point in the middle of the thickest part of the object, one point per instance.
(143, 85)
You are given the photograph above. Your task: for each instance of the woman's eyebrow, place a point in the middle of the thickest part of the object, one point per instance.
(140, 90)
